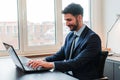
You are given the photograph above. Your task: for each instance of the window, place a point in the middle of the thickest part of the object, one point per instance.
(33, 26)
(40, 22)
(8, 23)
(41, 25)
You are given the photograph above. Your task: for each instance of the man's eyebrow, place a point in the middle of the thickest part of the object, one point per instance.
(68, 19)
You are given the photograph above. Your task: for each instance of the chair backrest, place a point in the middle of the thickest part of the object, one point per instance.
(103, 57)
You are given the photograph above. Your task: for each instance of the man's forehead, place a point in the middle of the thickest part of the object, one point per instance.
(68, 16)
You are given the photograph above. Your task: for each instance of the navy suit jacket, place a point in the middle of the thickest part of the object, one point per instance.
(85, 57)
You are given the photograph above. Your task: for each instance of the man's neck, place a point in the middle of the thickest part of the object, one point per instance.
(80, 26)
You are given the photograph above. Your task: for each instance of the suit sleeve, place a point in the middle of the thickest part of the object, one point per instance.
(56, 57)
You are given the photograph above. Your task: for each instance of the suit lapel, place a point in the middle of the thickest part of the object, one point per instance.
(82, 37)
(69, 45)
(79, 43)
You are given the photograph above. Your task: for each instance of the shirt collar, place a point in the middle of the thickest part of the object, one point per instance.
(78, 33)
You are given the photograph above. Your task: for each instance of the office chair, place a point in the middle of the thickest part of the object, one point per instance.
(103, 57)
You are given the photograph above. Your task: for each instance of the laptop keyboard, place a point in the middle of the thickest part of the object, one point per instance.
(24, 61)
(30, 68)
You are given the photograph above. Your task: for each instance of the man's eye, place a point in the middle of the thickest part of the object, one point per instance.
(68, 19)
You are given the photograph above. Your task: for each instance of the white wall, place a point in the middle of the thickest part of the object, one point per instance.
(110, 11)
(96, 18)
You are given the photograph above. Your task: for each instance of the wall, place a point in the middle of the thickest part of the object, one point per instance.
(110, 11)
(96, 18)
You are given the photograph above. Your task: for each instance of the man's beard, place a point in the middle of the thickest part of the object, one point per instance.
(75, 26)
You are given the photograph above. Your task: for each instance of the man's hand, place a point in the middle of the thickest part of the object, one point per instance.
(40, 63)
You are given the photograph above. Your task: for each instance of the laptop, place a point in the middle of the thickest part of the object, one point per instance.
(20, 61)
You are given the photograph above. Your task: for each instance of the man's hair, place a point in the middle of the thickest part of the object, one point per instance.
(74, 9)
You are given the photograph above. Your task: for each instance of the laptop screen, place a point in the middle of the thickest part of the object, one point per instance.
(13, 54)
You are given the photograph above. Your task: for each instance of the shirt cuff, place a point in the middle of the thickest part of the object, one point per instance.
(53, 67)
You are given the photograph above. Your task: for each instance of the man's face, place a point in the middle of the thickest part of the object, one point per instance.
(71, 22)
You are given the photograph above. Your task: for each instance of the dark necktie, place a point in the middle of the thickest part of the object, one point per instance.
(72, 46)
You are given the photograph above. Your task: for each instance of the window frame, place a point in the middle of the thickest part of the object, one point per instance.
(46, 48)
(22, 27)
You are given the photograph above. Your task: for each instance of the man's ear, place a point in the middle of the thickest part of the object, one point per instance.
(80, 17)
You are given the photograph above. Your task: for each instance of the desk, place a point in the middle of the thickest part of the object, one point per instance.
(8, 71)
